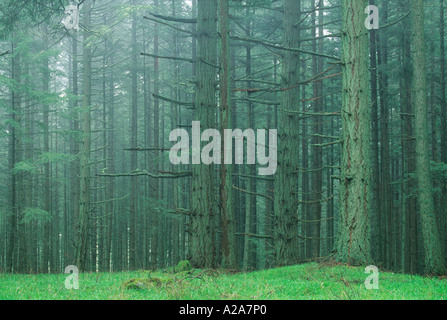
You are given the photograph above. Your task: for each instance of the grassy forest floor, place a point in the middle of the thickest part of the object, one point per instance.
(303, 282)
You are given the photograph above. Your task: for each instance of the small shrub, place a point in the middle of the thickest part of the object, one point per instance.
(183, 265)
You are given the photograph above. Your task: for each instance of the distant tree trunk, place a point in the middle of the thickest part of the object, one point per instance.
(203, 197)
(20, 192)
(148, 158)
(55, 246)
(317, 157)
(408, 151)
(47, 172)
(12, 263)
(286, 181)
(304, 209)
(156, 140)
(110, 189)
(174, 122)
(74, 151)
(226, 181)
(250, 204)
(442, 84)
(270, 186)
(29, 181)
(133, 144)
(355, 184)
(330, 206)
(84, 186)
(375, 219)
(385, 162)
(434, 261)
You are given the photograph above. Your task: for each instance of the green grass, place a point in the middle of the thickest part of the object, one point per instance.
(303, 282)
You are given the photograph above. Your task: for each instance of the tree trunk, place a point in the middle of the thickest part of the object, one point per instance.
(226, 181)
(375, 219)
(434, 261)
(442, 84)
(317, 157)
(286, 181)
(84, 186)
(203, 198)
(156, 140)
(133, 144)
(355, 184)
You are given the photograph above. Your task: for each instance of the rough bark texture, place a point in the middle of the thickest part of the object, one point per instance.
(84, 196)
(286, 180)
(375, 219)
(434, 262)
(442, 86)
(226, 194)
(203, 200)
(355, 193)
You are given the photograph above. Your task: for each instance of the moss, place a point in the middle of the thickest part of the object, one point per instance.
(142, 284)
(183, 265)
(160, 281)
(135, 284)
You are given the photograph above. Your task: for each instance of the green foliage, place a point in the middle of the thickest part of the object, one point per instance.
(54, 157)
(35, 214)
(31, 166)
(253, 3)
(23, 167)
(183, 265)
(439, 169)
(13, 12)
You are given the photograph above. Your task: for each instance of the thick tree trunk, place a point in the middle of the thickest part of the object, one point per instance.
(434, 262)
(286, 179)
(355, 185)
(203, 197)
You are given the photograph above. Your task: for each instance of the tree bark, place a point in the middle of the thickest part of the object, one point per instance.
(226, 192)
(355, 184)
(203, 197)
(434, 261)
(84, 186)
(286, 181)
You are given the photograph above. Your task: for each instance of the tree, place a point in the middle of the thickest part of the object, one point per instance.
(84, 195)
(434, 262)
(286, 186)
(442, 85)
(133, 144)
(226, 193)
(203, 198)
(355, 180)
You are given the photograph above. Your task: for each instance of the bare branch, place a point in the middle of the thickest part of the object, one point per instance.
(170, 175)
(174, 19)
(166, 57)
(188, 104)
